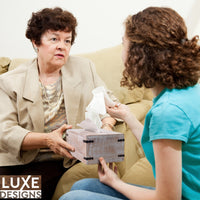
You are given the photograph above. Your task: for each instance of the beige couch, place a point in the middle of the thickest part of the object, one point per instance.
(135, 168)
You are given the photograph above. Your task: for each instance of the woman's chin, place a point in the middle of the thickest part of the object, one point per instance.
(59, 63)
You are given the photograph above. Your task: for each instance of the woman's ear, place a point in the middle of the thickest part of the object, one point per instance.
(34, 46)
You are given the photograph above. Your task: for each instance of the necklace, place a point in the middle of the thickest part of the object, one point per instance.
(52, 94)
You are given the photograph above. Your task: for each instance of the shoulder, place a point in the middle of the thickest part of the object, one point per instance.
(177, 110)
(15, 78)
(18, 71)
(79, 64)
(79, 60)
(184, 100)
(168, 110)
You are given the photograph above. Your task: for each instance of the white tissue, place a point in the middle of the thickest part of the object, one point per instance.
(94, 117)
(88, 125)
(108, 101)
(97, 106)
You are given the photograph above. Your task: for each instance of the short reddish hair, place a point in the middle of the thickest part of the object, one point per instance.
(50, 19)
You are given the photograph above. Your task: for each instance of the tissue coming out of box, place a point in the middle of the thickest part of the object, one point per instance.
(89, 146)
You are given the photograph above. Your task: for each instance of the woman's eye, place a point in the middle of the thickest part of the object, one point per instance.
(53, 39)
(68, 41)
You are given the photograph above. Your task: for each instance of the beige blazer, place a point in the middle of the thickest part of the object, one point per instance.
(21, 108)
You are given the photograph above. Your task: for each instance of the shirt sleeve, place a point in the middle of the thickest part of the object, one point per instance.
(11, 134)
(168, 121)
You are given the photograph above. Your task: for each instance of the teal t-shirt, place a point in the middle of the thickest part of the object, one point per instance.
(175, 115)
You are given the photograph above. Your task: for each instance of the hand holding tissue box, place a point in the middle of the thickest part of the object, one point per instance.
(91, 143)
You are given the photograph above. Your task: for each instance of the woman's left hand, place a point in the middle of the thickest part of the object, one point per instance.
(106, 174)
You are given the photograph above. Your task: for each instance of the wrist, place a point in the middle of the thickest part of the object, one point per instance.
(107, 126)
(46, 140)
(129, 118)
(117, 183)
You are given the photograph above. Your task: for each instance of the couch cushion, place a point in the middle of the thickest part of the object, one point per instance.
(140, 173)
(4, 64)
(109, 66)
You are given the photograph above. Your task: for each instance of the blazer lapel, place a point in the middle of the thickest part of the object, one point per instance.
(32, 93)
(71, 82)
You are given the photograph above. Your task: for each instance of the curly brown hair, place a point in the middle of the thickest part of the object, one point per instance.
(159, 51)
(54, 19)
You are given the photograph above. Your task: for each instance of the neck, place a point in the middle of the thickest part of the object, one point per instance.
(48, 75)
(50, 78)
(157, 90)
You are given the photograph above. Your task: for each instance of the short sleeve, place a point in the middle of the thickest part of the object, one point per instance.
(168, 121)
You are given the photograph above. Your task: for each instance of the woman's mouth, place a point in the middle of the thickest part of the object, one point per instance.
(59, 55)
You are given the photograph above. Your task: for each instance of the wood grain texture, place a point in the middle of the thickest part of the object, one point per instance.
(89, 146)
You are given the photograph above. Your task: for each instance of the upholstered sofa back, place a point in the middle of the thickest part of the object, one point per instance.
(109, 66)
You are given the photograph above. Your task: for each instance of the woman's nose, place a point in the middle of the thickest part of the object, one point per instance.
(61, 45)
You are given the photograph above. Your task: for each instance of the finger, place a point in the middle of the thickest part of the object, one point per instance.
(109, 110)
(115, 170)
(64, 127)
(66, 153)
(111, 165)
(69, 126)
(67, 146)
(100, 169)
(112, 113)
(103, 163)
(117, 105)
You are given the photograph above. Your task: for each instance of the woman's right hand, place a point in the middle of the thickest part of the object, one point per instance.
(120, 111)
(55, 142)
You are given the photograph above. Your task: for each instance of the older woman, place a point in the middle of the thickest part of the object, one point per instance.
(43, 98)
(158, 55)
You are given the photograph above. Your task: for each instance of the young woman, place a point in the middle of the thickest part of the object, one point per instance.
(158, 55)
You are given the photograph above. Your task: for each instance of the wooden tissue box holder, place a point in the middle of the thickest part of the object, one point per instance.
(89, 146)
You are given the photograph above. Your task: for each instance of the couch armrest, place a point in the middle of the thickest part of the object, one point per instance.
(16, 62)
(4, 64)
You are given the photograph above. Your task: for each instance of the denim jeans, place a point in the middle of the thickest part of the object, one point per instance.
(93, 189)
